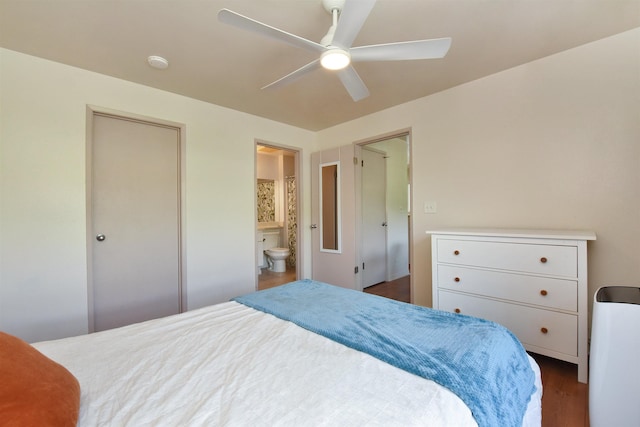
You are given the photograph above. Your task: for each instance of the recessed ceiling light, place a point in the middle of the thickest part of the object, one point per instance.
(158, 62)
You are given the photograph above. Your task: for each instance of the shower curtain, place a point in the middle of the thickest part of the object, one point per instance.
(266, 201)
(292, 223)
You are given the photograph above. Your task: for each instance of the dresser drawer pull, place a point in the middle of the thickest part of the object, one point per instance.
(457, 310)
(456, 252)
(543, 260)
(457, 279)
(544, 330)
(543, 293)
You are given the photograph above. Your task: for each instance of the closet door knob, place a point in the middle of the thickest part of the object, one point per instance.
(313, 226)
(456, 252)
(543, 292)
(544, 330)
(457, 310)
(543, 260)
(100, 237)
(457, 279)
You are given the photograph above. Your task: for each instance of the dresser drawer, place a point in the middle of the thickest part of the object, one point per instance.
(536, 327)
(547, 292)
(553, 260)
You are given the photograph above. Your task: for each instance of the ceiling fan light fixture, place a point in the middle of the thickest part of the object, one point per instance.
(335, 59)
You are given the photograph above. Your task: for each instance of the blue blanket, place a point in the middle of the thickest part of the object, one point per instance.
(480, 361)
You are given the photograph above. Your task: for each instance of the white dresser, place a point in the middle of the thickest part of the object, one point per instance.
(534, 282)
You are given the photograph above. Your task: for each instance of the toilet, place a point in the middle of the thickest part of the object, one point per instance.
(276, 258)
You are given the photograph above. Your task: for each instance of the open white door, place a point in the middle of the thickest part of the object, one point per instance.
(374, 217)
(333, 217)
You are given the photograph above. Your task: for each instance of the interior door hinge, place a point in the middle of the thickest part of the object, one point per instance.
(355, 270)
(355, 160)
(363, 266)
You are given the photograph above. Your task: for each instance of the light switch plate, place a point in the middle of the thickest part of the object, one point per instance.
(430, 207)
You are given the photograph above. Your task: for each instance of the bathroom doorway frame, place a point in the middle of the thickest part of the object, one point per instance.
(297, 154)
(400, 133)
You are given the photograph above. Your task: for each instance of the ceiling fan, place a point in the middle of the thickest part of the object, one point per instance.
(335, 50)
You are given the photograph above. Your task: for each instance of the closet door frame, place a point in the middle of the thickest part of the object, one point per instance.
(91, 111)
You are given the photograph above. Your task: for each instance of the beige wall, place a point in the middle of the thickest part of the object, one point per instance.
(43, 273)
(551, 144)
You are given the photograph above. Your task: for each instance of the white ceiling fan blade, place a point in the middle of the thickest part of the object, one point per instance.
(353, 83)
(232, 18)
(351, 20)
(418, 49)
(291, 77)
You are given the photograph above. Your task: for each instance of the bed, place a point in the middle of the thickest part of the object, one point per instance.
(305, 353)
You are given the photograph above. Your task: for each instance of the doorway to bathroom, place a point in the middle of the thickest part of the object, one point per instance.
(277, 213)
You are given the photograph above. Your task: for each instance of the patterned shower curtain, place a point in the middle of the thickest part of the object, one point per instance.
(266, 201)
(292, 223)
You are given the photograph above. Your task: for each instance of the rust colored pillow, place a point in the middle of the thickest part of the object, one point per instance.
(35, 390)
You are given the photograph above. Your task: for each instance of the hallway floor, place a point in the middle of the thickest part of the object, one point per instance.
(399, 289)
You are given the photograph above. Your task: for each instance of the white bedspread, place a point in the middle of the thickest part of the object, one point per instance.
(234, 366)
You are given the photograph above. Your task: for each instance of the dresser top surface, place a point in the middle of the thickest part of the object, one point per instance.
(516, 233)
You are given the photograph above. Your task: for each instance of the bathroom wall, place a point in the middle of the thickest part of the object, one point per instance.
(288, 166)
(267, 166)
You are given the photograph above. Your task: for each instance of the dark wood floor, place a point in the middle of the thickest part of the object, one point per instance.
(398, 289)
(564, 400)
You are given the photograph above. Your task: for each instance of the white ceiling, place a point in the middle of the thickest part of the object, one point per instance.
(226, 66)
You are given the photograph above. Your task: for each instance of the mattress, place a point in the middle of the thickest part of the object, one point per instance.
(232, 365)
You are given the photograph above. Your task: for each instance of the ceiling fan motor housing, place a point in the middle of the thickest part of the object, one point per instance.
(330, 5)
